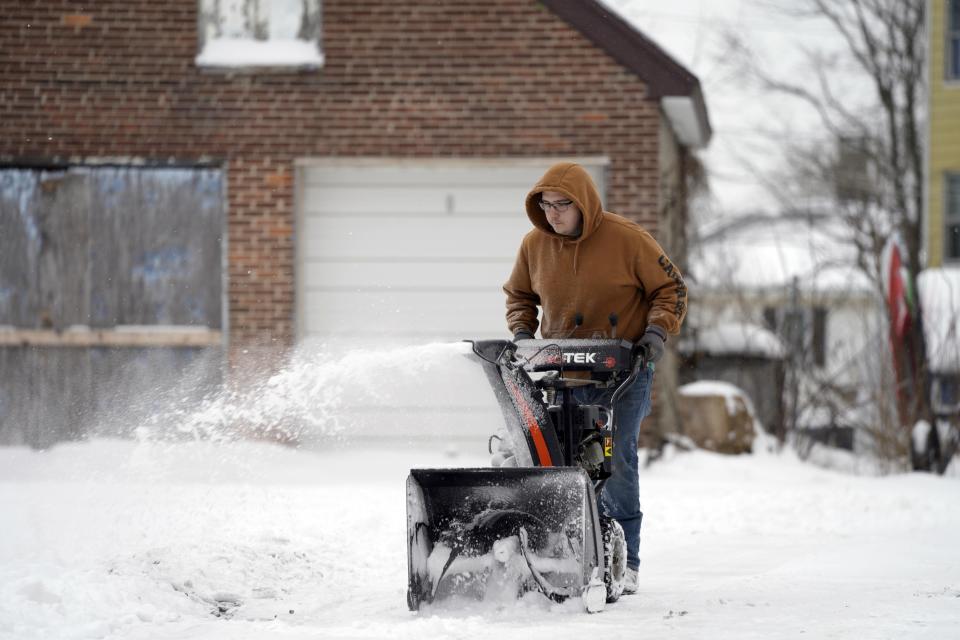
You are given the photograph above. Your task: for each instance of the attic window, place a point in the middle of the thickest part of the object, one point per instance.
(259, 33)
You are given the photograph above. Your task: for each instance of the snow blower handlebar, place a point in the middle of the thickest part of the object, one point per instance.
(640, 363)
(603, 358)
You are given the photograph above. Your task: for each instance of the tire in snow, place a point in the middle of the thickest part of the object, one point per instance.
(614, 557)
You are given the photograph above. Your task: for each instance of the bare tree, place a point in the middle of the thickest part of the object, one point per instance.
(868, 166)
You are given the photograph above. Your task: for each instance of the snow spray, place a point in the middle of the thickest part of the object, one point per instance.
(397, 394)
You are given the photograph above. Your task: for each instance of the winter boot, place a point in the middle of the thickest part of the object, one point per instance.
(630, 581)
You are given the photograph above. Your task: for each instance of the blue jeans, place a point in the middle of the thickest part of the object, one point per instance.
(620, 499)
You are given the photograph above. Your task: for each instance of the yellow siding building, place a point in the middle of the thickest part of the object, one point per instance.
(943, 160)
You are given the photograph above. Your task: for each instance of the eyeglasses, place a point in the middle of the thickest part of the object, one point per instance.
(560, 205)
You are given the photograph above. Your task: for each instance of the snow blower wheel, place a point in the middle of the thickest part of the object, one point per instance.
(614, 557)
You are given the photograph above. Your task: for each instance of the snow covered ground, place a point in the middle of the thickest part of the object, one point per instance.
(228, 538)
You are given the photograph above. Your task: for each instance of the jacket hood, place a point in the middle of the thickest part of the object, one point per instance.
(573, 181)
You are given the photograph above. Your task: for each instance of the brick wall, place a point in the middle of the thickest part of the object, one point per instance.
(114, 78)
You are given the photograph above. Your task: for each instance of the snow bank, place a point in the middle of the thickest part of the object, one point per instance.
(920, 435)
(734, 398)
(725, 390)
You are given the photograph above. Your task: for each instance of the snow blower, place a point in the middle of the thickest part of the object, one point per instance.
(532, 522)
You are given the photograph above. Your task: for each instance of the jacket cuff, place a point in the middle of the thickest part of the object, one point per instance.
(522, 329)
(659, 331)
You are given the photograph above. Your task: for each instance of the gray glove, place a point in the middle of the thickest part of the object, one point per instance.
(522, 334)
(651, 344)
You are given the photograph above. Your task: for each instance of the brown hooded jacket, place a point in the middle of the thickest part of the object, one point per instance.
(612, 267)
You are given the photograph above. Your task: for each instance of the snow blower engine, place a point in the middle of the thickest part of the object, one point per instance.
(532, 523)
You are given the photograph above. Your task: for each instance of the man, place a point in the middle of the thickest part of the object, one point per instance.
(581, 264)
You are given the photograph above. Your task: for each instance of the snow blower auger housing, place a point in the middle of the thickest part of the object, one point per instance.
(533, 523)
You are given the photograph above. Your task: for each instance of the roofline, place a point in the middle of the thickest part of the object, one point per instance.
(664, 76)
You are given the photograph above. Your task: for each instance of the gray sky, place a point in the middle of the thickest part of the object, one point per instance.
(743, 151)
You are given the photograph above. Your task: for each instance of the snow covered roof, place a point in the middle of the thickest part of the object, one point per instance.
(768, 252)
(735, 338)
(718, 388)
(939, 291)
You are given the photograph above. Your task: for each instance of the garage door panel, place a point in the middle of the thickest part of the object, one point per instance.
(405, 275)
(340, 238)
(402, 200)
(411, 313)
(415, 249)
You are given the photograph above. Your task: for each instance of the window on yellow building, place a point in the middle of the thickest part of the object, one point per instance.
(953, 40)
(951, 217)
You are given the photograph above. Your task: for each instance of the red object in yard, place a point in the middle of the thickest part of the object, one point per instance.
(900, 304)
(897, 301)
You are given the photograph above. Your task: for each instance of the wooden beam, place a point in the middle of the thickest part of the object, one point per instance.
(121, 336)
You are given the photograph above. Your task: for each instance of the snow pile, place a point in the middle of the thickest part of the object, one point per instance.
(730, 393)
(939, 292)
(738, 339)
(734, 399)
(920, 435)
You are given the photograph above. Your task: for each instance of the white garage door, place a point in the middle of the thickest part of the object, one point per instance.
(413, 250)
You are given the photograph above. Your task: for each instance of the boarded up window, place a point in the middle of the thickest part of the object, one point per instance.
(110, 246)
(90, 251)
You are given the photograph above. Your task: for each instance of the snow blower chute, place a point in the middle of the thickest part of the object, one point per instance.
(532, 523)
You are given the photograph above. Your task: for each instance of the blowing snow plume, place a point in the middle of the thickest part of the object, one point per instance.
(401, 394)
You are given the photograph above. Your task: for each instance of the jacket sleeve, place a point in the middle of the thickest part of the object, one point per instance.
(521, 300)
(663, 283)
